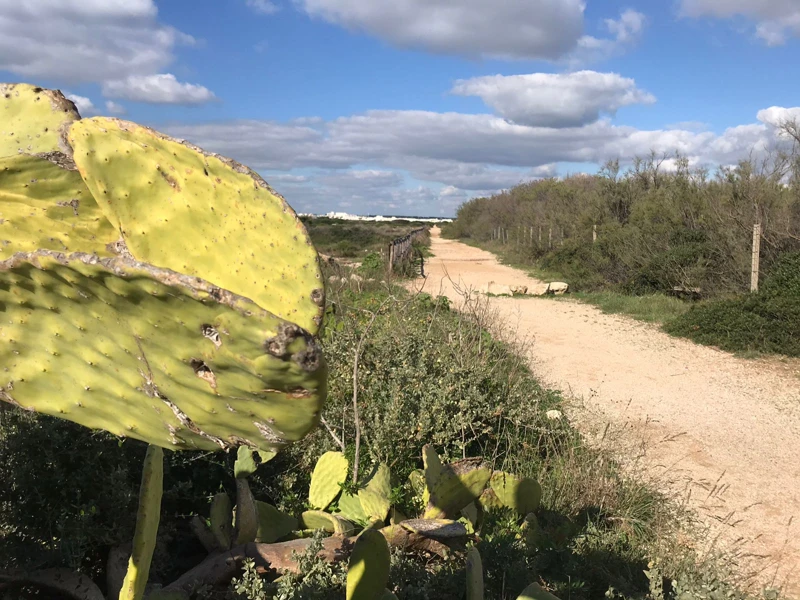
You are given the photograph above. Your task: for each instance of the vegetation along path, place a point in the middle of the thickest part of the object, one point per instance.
(720, 431)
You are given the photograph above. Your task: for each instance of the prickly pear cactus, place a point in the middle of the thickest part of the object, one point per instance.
(143, 352)
(450, 488)
(374, 496)
(535, 592)
(200, 214)
(519, 493)
(33, 119)
(474, 575)
(327, 478)
(368, 570)
(44, 205)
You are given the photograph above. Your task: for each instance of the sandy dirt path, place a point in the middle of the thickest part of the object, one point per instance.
(721, 431)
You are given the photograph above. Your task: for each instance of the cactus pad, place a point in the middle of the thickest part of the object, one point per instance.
(368, 570)
(273, 524)
(521, 494)
(474, 575)
(221, 518)
(450, 488)
(317, 519)
(329, 474)
(147, 353)
(350, 508)
(374, 496)
(535, 592)
(32, 119)
(201, 214)
(44, 205)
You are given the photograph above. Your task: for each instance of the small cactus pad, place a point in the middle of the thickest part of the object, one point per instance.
(273, 524)
(535, 592)
(375, 495)
(450, 488)
(147, 353)
(32, 119)
(318, 519)
(329, 474)
(245, 522)
(247, 461)
(350, 508)
(474, 575)
(221, 517)
(197, 213)
(519, 493)
(368, 570)
(147, 519)
(44, 205)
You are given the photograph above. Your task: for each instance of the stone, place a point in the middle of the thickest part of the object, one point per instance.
(557, 288)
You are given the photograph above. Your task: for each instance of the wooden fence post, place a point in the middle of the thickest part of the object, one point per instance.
(594, 233)
(756, 257)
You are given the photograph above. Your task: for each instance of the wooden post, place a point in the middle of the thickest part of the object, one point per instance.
(594, 233)
(540, 235)
(550, 238)
(756, 257)
(391, 256)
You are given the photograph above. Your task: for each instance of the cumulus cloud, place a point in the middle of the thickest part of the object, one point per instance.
(625, 31)
(472, 154)
(84, 40)
(114, 108)
(263, 7)
(162, 88)
(85, 105)
(529, 29)
(775, 20)
(555, 100)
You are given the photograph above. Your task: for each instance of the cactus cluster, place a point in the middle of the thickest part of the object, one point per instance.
(150, 288)
(158, 292)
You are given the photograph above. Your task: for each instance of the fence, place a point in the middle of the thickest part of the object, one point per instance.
(401, 249)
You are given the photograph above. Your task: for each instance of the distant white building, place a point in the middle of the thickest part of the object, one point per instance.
(348, 217)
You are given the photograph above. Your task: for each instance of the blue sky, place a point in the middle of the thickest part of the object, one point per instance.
(413, 106)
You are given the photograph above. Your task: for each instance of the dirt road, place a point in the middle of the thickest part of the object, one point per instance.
(722, 431)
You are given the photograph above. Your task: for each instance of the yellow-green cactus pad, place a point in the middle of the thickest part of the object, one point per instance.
(245, 517)
(273, 524)
(474, 575)
(368, 569)
(44, 205)
(450, 488)
(201, 214)
(374, 496)
(351, 509)
(143, 352)
(327, 478)
(147, 519)
(33, 119)
(318, 519)
(519, 493)
(221, 518)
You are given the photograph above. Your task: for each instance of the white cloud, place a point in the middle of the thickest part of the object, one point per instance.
(85, 105)
(74, 41)
(115, 108)
(470, 153)
(774, 20)
(264, 7)
(529, 29)
(626, 32)
(555, 100)
(162, 88)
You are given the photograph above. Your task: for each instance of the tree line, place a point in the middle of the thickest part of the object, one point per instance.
(658, 225)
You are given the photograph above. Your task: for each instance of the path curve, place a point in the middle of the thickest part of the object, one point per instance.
(723, 431)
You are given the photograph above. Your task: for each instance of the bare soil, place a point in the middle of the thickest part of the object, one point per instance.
(721, 433)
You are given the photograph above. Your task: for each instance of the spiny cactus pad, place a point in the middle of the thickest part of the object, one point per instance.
(350, 508)
(535, 592)
(374, 496)
(368, 569)
(147, 353)
(221, 517)
(44, 205)
(450, 488)
(318, 519)
(519, 493)
(327, 478)
(32, 119)
(200, 214)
